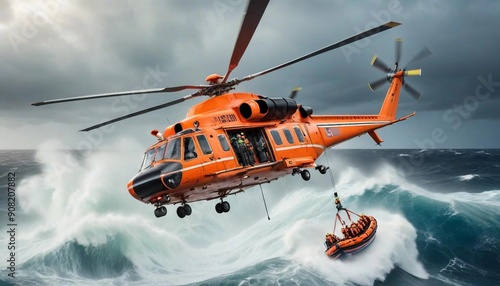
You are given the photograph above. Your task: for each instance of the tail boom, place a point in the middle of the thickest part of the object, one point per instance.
(335, 129)
(390, 104)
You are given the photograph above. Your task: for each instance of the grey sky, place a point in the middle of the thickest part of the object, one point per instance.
(59, 48)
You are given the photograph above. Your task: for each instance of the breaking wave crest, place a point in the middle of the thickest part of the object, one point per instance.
(84, 227)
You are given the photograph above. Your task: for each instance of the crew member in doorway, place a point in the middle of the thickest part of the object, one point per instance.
(248, 149)
(261, 150)
(245, 160)
(234, 143)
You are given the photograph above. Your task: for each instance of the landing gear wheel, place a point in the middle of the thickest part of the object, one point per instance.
(305, 175)
(218, 208)
(161, 211)
(181, 212)
(188, 209)
(222, 207)
(322, 169)
(225, 207)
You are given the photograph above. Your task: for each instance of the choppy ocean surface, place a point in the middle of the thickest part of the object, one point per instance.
(438, 214)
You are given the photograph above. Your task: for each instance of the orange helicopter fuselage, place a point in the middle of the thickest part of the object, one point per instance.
(204, 157)
(236, 140)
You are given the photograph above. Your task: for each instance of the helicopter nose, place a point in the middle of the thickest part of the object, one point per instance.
(156, 179)
(130, 187)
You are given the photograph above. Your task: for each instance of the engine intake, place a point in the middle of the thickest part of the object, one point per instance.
(252, 110)
(268, 109)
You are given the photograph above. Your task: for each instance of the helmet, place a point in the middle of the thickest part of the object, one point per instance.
(327, 234)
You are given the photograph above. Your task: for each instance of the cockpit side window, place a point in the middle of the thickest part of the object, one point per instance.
(148, 159)
(189, 149)
(159, 153)
(173, 149)
(205, 146)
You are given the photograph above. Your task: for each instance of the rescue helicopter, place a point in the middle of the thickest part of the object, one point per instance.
(233, 141)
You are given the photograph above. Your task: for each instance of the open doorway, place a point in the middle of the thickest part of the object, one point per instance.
(251, 146)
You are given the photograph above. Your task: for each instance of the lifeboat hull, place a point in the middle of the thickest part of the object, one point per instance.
(355, 244)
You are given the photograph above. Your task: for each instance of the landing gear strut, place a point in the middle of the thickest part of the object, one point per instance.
(160, 211)
(222, 207)
(184, 210)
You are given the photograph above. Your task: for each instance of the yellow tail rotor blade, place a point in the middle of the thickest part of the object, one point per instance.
(413, 72)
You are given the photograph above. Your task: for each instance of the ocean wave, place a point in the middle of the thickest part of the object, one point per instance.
(483, 152)
(467, 177)
(364, 268)
(459, 267)
(84, 228)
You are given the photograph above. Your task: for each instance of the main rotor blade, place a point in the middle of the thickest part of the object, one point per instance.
(399, 44)
(376, 84)
(254, 12)
(294, 92)
(412, 91)
(347, 41)
(142, 111)
(112, 94)
(425, 52)
(378, 63)
(417, 72)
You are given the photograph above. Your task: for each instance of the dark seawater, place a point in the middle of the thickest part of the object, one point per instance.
(438, 214)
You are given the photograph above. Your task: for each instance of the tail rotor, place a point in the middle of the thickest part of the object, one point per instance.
(379, 64)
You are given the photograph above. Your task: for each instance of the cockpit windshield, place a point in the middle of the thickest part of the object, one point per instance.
(148, 159)
(159, 153)
(173, 149)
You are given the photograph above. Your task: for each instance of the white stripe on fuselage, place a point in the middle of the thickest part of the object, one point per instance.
(301, 146)
(206, 163)
(346, 124)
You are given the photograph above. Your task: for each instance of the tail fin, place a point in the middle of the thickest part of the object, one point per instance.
(390, 105)
(395, 77)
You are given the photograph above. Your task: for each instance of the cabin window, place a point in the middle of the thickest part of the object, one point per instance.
(173, 149)
(299, 134)
(276, 137)
(223, 142)
(159, 153)
(205, 147)
(189, 149)
(148, 159)
(288, 136)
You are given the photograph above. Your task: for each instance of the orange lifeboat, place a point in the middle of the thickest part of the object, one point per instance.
(355, 237)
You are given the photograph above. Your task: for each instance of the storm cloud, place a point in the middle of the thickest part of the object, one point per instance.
(59, 48)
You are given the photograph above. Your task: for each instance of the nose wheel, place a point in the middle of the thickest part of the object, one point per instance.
(160, 211)
(222, 207)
